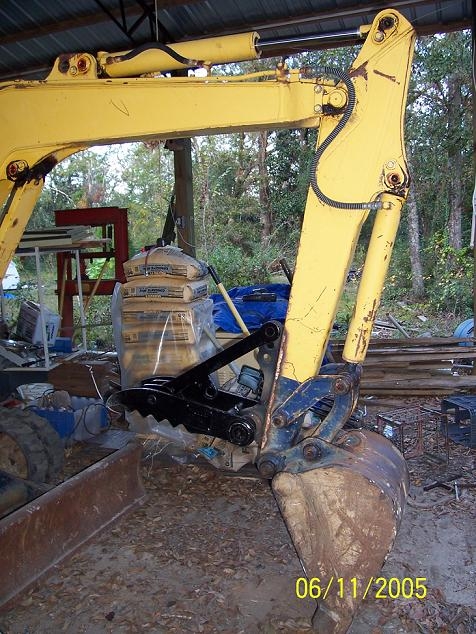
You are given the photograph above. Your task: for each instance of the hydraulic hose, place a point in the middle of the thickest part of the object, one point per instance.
(161, 47)
(344, 77)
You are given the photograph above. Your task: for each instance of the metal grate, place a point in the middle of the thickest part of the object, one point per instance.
(416, 431)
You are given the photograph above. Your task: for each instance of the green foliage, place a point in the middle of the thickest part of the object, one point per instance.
(398, 282)
(238, 269)
(439, 128)
(94, 268)
(147, 186)
(449, 277)
(289, 161)
(87, 179)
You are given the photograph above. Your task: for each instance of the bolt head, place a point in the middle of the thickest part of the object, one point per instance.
(279, 420)
(311, 452)
(267, 469)
(341, 385)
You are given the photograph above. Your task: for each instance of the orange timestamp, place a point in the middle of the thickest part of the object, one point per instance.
(377, 587)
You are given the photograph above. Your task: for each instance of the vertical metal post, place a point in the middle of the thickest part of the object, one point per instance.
(80, 299)
(2, 302)
(184, 197)
(41, 299)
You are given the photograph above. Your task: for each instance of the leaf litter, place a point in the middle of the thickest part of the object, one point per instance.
(210, 553)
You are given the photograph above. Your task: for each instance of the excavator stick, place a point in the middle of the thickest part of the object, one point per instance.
(342, 493)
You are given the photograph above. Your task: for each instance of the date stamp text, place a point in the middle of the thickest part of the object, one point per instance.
(376, 587)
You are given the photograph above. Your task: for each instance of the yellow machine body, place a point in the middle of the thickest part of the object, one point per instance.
(44, 122)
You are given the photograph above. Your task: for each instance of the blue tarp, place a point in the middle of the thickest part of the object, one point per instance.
(254, 313)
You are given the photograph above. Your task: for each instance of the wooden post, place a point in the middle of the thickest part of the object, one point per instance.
(184, 218)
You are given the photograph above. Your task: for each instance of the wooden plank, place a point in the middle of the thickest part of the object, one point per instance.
(415, 356)
(437, 382)
(414, 341)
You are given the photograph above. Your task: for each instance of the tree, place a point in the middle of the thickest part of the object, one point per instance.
(413, 223)
(439, 133)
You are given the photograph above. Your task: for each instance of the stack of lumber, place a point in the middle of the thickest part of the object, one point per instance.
(415, 366)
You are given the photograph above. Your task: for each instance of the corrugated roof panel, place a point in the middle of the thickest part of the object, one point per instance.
(33, 33)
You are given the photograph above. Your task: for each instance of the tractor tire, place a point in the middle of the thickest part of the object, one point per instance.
(51, 440)
(22, 453)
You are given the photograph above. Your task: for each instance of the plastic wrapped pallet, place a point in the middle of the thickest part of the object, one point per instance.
(164, 262)
(159, 326)
(139, 362)
(143, 320)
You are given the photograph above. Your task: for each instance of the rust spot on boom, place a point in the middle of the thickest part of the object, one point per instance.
(390, 77)
(360, 71)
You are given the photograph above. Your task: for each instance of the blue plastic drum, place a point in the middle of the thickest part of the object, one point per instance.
(465, 329)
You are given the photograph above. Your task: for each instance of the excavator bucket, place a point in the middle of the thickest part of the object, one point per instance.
(343, 517)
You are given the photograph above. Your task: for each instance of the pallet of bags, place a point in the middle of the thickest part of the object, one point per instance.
(139, 361)
(160, 315)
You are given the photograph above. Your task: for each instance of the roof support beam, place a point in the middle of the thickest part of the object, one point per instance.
(130, 11)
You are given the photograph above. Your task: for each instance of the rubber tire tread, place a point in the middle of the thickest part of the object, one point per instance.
(51, 440)
(30, 445)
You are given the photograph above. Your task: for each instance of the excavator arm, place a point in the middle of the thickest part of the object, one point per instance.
(341, 493)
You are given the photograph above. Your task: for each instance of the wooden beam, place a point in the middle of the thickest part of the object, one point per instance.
(184, 217)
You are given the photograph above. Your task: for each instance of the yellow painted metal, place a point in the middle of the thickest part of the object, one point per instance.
(57, 118)
(206, 52)
(373, 278)
(353, 169)
(163, 107)
(326, 248)
(15, 217)
(18, 200)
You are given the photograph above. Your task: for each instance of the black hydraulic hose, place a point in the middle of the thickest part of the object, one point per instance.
(344, 77)
(161, 47)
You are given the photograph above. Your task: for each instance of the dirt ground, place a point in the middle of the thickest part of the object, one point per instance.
(210, 553)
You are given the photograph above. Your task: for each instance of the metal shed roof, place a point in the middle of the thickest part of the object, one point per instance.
(34, 32)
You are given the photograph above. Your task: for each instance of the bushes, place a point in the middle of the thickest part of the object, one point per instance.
(450, 277)
(237, 268)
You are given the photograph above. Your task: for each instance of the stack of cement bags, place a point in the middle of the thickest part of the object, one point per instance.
(161, 315)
